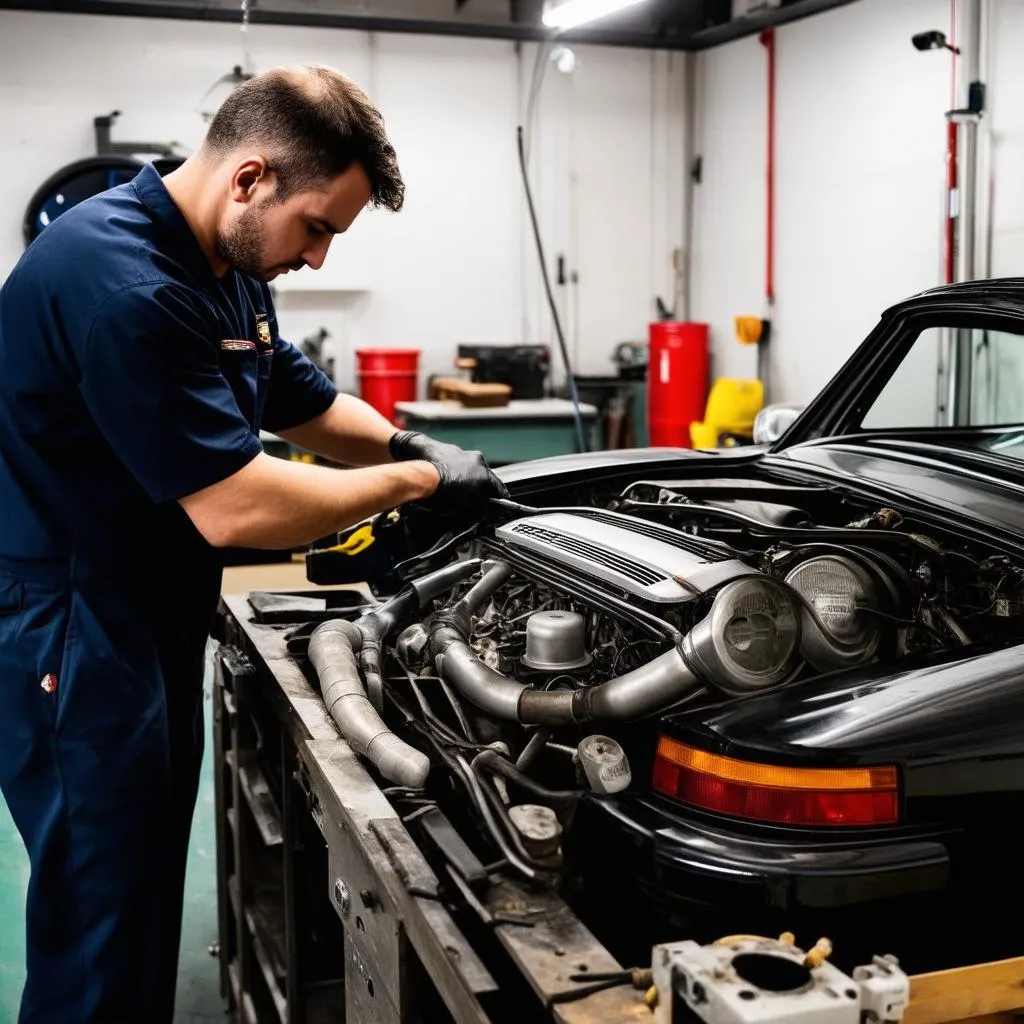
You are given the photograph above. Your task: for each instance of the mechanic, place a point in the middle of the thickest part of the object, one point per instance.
(139, 358)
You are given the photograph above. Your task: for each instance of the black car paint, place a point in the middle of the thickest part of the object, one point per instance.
(952, 723)
(949, 722)
(524, 477)
(944, 485)
(944, 488)
(786, 868)
(841, 404)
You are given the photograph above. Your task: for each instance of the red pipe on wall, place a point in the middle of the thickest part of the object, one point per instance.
(768, 41)
(951, 203)
(952, 197)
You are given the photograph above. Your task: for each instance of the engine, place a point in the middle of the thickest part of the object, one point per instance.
(618, 589)
(533, 669)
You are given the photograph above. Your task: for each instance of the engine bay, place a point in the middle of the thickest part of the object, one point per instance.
(526, 671)
(569, 597)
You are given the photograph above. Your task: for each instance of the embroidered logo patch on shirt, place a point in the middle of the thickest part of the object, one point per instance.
(263, 328)
(237, 345)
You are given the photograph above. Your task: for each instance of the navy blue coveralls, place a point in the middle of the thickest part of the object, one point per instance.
(130, 376)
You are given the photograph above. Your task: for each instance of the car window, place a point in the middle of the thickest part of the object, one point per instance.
(989, 366)
(997, 381)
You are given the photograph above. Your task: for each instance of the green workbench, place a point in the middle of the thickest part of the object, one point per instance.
(515, 432)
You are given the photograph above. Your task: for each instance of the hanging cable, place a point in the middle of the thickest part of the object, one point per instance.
(540, 65)
(573, 393)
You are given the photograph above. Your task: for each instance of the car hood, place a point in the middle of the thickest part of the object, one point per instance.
(624, 458)
(983, 490)
(987, 491)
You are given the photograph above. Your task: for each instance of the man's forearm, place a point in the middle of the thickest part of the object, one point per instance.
(272, 503)
(350, 432)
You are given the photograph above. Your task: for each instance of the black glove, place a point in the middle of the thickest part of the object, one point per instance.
(466, 479)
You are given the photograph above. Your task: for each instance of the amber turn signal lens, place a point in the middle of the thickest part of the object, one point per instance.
(785, 796)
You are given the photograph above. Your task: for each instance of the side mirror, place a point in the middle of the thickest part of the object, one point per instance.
(774, 420)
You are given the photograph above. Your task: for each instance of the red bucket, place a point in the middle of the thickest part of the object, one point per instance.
(387, 376)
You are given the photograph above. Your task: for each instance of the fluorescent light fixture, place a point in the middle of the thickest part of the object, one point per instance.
(572, 13)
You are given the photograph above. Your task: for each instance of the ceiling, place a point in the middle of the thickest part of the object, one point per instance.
(664, 24)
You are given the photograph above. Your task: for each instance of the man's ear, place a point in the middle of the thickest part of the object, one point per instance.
(247, 176)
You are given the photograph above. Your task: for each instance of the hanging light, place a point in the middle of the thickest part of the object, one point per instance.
(220, 90)
(573, 13)
(215, 96)
(564, 59)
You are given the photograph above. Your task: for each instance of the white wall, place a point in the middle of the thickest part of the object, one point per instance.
(860, 171)
(456, 264)
(606, 156)
(1006, 137)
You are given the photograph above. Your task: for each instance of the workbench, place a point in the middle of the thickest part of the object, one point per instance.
(328, 911)
(524, 429)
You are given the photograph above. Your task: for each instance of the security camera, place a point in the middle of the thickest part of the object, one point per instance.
(934, 40)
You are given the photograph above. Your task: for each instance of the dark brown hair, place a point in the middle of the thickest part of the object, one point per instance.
(312, 124)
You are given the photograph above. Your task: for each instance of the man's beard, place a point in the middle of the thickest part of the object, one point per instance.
(243, 246)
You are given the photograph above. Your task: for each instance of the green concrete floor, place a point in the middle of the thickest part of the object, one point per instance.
(198, 998)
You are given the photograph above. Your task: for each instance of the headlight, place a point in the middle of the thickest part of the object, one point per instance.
(749, 639)
(839, 632)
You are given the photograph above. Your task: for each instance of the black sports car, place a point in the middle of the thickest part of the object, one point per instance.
(779, 687)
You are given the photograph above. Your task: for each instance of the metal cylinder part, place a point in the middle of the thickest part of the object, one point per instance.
(841, 631)
(605, 764)
(556, 641)
(332, 652)
(748, 641)
(538, 828)
(412, 645)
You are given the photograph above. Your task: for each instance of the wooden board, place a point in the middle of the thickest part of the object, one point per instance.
(555, 945)
(992, 1018)
(240, 579)
(451, 389)
(966, 993)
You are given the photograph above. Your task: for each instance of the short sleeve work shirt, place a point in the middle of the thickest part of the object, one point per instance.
(131, 376)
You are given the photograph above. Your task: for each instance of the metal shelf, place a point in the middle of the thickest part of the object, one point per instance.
(258, 796)
(263, 959)
(243, 1000)
(266, 947)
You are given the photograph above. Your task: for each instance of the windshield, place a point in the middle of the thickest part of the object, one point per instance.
(958, 378)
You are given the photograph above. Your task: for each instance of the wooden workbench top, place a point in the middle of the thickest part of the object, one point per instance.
(540, 408)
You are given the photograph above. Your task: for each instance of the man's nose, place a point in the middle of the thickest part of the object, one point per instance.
(315, 255)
